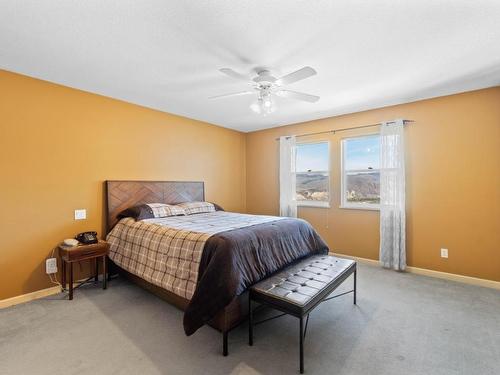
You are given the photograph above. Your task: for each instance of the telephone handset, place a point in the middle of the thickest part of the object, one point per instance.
(87, 237)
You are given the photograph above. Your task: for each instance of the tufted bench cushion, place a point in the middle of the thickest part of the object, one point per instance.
(300, 286)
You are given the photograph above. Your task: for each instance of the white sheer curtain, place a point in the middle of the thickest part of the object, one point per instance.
(392, 196)
(288, 204)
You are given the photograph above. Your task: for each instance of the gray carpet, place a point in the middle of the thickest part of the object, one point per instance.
(403, 324)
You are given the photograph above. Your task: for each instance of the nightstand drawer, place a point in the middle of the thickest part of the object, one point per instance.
(85, 251)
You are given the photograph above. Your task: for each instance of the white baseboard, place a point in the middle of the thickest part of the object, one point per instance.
(29, 296)
(431, 273)
(34, 295)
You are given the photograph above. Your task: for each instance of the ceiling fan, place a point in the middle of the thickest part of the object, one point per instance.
(265, 86)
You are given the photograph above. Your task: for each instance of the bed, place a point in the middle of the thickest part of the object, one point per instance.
(202, 263)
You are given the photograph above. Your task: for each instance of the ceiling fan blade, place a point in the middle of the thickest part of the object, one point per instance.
(231, 94)
(231, 73)
(298, 75)
(297, 95)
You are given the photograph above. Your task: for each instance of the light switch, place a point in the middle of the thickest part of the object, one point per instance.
(80, 214)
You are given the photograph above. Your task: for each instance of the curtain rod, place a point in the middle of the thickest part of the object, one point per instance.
(344, 129)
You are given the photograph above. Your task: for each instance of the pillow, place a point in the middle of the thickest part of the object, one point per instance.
(191, 208)
(166, 210)
(151, 210)
(140, 212)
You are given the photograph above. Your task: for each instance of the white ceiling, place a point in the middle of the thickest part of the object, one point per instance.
(166, 54)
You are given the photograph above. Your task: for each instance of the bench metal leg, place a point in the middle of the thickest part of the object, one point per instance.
(305, 329)
(224, 344)
(301, 344)
(355, 285)
(250, 322)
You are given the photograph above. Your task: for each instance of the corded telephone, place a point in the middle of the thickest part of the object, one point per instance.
(87, 237)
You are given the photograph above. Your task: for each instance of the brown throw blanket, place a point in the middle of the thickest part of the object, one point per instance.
(234, 260)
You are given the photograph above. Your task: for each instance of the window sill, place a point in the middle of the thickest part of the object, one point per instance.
(314, 204)
(359, 207)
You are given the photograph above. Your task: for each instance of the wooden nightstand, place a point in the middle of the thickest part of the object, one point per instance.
(70, 255)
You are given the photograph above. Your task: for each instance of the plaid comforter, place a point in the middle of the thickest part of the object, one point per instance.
(167, 251)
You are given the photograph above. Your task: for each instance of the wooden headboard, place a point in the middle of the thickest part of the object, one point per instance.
(124, 194)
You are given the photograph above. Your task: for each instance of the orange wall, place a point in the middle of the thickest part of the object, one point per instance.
(57, 147)
(453, 183)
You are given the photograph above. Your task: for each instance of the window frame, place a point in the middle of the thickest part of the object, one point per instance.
(343, 202)
(312, 203)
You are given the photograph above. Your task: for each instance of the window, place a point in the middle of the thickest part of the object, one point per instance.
(312, 166)
(361, 172)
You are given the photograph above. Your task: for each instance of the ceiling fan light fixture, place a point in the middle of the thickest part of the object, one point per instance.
(264, 105)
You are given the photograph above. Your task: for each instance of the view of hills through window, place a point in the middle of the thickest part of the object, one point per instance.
(312, 172)
(361, 170)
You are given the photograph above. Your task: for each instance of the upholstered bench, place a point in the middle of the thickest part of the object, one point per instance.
(299, 288)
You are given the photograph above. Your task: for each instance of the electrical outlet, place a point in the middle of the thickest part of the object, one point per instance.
(51, 266)
(80, 214)
(444, 253)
